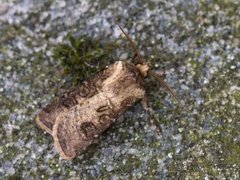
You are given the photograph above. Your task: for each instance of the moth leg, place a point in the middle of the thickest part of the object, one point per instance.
(153, 118)
(154, 121)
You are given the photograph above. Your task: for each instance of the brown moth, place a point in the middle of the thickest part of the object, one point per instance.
(76, 119)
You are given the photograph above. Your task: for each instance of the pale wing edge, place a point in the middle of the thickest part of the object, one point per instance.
(57, 144)
(43, 126)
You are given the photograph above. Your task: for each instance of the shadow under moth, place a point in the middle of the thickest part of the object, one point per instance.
(77, 118)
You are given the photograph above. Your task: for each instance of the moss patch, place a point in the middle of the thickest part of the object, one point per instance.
(82, 56)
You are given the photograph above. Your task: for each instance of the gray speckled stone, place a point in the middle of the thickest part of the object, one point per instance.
(196, 42)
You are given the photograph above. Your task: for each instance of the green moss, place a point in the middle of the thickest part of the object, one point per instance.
(132, 163)
(7, 33)
(152, 167)
(83, 56)
(217, 147)
(138, 140)
(14, 177)
(151, 5)
(230, 8)
(88, 154)
(221, 150)
(213, 149)
(236, 96)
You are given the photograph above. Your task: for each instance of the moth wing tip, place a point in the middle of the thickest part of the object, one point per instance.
(58, 146)
(64, 156)
(42, 125)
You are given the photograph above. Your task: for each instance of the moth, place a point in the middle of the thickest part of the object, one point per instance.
(77, 118)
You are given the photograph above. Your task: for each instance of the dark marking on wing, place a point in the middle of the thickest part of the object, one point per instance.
(83, 91)
(104, 119)
(62, 139)
(72, 135)
(128, 102)
(68, 102)
(63, 134)
(102, 76)
(103, 108)
(88, 129)
(48, 108)
(46, 118)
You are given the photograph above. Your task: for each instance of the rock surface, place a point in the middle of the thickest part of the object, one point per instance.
(196, 42)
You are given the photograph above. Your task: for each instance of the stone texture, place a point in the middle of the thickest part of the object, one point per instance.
(196, 42)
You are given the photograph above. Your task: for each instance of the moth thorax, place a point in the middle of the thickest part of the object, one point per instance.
(143, 68)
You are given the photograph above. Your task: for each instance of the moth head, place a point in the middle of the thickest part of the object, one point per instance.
(144, 67)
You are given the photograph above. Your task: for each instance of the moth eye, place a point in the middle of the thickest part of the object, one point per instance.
(87, 128)
(69, 102)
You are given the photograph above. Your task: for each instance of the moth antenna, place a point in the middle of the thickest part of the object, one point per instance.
(164, 84)
(140, 60)
(139, 57)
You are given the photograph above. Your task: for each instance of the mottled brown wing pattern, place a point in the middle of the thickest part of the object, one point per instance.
(46, 118)
(76, 128)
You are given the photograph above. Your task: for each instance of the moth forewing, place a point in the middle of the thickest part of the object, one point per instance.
(76, 128)
(47, 116)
